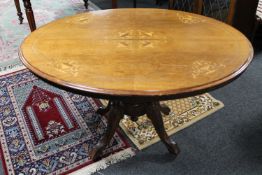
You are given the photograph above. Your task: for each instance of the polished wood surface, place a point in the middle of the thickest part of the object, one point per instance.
(137, 52)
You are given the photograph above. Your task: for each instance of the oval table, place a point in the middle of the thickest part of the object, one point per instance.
(136, 58)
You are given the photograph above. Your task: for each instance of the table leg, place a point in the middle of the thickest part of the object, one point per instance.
(171, 4)
(114, 4)
(19, 13)
(134, 1)
(104, 110)
(159, 2)
(165, 109)
(29, 15)
(153, 112)
(115, 114)
(86, 4)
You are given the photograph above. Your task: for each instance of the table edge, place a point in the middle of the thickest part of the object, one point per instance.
(114, 92)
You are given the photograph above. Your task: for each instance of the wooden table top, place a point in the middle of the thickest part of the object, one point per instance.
(141, 52)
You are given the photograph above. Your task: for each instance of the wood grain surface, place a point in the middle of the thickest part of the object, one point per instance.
(141, 52)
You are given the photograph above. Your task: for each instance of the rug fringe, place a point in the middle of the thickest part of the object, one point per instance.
(104, 163)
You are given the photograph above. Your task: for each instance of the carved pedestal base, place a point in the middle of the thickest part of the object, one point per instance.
(116, 110)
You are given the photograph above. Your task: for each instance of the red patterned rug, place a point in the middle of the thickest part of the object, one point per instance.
(46, 130)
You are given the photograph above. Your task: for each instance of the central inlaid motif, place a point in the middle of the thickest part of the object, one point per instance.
(136, 34)
(138, 39)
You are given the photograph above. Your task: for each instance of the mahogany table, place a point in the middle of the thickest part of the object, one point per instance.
(136, 58)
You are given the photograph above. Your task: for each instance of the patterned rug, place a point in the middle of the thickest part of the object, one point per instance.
(12, 33)
(184, 112)
(45, 130)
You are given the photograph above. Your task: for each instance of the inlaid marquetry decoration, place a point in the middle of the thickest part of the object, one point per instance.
(205, 68)
(189, 19)
(66, 65)
(138, 39)
(79, 20)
